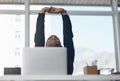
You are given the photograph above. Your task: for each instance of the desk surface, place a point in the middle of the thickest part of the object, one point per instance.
(60, 77)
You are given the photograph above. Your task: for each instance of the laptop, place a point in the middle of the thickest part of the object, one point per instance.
(44, 61)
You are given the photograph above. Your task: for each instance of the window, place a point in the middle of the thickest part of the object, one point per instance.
(74, 8)
(11, 40)
(11, 7)
(93, 38)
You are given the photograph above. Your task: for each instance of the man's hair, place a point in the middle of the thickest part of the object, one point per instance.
(56, 45)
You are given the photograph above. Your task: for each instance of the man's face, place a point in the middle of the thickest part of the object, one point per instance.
(53, 41)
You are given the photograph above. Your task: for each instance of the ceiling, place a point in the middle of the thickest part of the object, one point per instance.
(62, 2)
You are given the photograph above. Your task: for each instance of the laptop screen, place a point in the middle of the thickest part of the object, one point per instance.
(44, 61)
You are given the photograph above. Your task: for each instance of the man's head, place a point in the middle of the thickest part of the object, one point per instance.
(53, 41)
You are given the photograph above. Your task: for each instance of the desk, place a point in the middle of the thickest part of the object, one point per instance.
(61, 77)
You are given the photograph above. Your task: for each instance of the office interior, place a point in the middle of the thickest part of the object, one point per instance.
(96, 28)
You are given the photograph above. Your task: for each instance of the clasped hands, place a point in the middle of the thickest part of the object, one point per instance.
(53, 10)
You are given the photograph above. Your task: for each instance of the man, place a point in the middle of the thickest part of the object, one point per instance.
(53, 40)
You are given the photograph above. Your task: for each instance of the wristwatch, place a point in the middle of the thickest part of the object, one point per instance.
(63, 12)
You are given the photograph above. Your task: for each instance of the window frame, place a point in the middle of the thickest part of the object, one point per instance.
(114, 13)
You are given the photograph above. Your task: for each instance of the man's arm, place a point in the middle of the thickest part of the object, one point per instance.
(68, 41)
(67, 31)
(39, 34)
(39, 38)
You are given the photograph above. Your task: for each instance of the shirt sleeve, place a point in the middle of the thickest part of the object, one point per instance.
(39, 38)
(68, 42)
